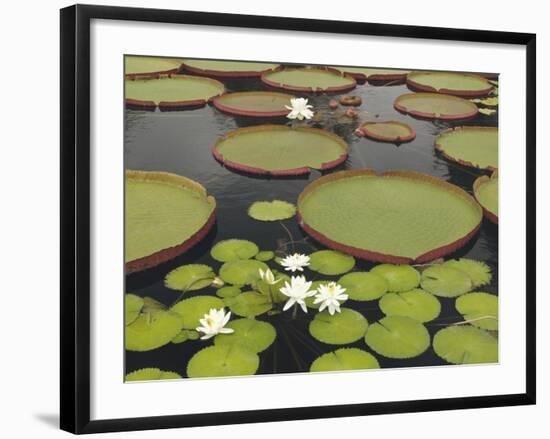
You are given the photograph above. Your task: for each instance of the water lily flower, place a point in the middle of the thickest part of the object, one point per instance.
(330, 296)
(213, 323)
(217, 282)
(295, 262)
(268, 277)
(297, 291)
(299, 109)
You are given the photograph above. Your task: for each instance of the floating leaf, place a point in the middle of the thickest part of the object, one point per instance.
(399, 277)
(264, 256)
(465, 345)
(435, 106)
(132, 308)
(275, 210)
(227, 69)
(490, 102)
(229, 291)
(416, 304)
(363, 286)
(149, 374)
(445, 281)
(479, 271)
(193, 309)
(150, 304)
(193, 335)
(398, 337)
(242, 272)
(479, 309)
(257, 103)
(487, 111)
(486, 193)
(331, 262)
(345, 359)
(182, 337)
(458, 84)
(219, 361)
(309, 80)
(249, 304)
(344, 327)
(234, 250)
(471, 146)
(190, 277)
(148, 65)
(152, 330)
(252, 334)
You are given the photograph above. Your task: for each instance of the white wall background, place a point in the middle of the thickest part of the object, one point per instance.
(29, 203)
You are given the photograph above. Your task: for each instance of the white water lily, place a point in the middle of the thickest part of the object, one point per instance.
(297, 291)
(268, 277)
(295, 262)
(299, 109)
(217, 282)
(329, 296)
(213, 323)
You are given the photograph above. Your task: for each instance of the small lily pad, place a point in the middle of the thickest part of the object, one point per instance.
(265, 255)
(242, 272)
(229, 291)
(398, 337)
(234, 250)
(219, 361)
(345, 359)
(150, 374)
(465, 345)
(399, 277)
(252, 334)
(151, 330)
(445, 281)
(190, 277)
(182, 337)
(479, 309)
(132, 307)
(479, 271)
(416, 304)
(193, 309)
(331, 262)
(344, 327)
(249, 304)
(363, 286)
(275, 210)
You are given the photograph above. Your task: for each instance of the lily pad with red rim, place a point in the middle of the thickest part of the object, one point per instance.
(309, 80)
(435, 106)
(471, 146)
(486, 193)
(457, 84)
(254, 103)
(227, 69)
(146, 66)
(376, 76)
(388, 131)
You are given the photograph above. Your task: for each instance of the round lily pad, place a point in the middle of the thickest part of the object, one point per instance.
(389, 131)
(363, 286)
(150, 65)
(249, 304)
(375, 76)
(190, 277)
(344, 327)
(309, 80)
(275, 210)
(227, 69)
(479, 309)
(435, 106)
(465, 344)
(228, 291)
(252, 334)
(445, 281)
(171, 92)
(330, 262)
(132, 307)
(280, 150)
(254, 103)
(398, 337)
(150, 374)
(220, 361)
(242, 272)
(416, 304)
(479, 271)
(399, 277)
(476, 147)
(151, 330)
(265, 255)
(234, 250)
(486, 193)
(388, 217)
(193, 309)
(344, 359)
(458, 84)
(165, 215)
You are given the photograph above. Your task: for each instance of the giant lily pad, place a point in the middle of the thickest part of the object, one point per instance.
(309, 80)
(388, 131)
(330, 262)
(344, 327)
(479, 271)
(227, 69)
(435, 106)
(151, 330)
(363, 286)
(374, 75)
(249, 304)
(190, 311)
(445, 281)
(150, 374)
(275, 210)
(150, 65)
(465, 345)
(132, 307)
(254, 103)
(398, 337)
(234, 250)
(486, 193)
(251, 334)
(458, 84)
(190, 277)
(479, 309)
(476, 147)
(221, 361)
(344, 359)
(165, 215)
(280, 150)
(242, 272)
(416, 304)
(398, 277)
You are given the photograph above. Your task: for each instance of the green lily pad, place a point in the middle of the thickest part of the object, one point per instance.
(479, 309)
(252, 334)
(344, 359)
(309, 79)
(229, 291)
(364, 286)
(374, 74)
(132, 308)
(242, 272)
(234, 250)
(190, 277)
(479, 271)
(398, 337)
(458, 84)
(249, 304)
(152, 330)
(193, 309)
(331, 262)
(256, 103)
(445, 281)
(150, 374)
(399, 277)
(182, 337)
(465, 344)
(210, 67)
(220, 361)
(435, 106)
(476, 147)
(344, 327)
(486, 193)
(416, 304)
(265, 255)
(275, 210)
(142, 65)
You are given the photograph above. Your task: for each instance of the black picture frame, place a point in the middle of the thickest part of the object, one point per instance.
(75, 217)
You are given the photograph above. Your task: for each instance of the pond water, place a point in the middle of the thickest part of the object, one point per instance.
(180, 142)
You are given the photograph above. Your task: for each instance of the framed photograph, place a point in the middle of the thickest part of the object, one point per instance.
(274, 218)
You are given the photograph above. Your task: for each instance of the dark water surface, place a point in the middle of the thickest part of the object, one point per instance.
(180, 142)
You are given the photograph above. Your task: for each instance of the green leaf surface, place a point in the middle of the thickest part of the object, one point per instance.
(456, 83)
(344, 359)
(193, 309)
(224, 360)
(150, 64)
(243, 272)
(229, 291)
(364, 286)
(265, 255)
(152, 330)
(479, 271)
(275, 210)
(234, 250)
(465, 344)
(445, 281)
(252, 334)
(416, 304)
(399, 277)
(149, 374)
(341, 328)
(249, 304)
(436, 105)
(132, 307)
(472, 146)
(331, 262)
(190, 277)
(317, 79)
(480, 309)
